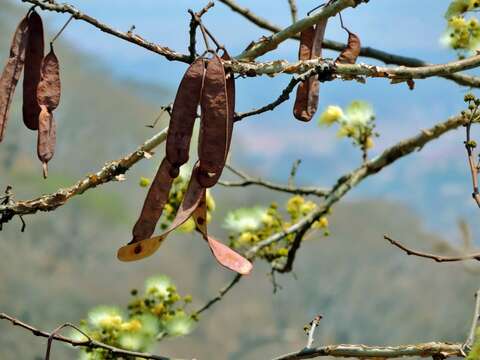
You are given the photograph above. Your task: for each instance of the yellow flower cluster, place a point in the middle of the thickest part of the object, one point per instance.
(159, 311)
(250, 226)
(462, 34)
(356, 122)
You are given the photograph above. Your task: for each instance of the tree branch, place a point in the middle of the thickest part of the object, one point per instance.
(127, 36)
(108, 173)
(437, 258)
(327, 67)
(476, 318)
(433, 349)
(293, 10)
(370, 52)
(221, 294)
(348, 181)
(248, 180)
(89, 343)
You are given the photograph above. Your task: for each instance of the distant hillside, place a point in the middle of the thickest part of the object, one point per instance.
(65, 261)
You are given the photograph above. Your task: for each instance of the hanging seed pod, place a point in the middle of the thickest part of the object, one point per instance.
(183, 116)
(215, 128)
(140, 248)
(46, 138)
(222, 253)
(351, 52)
(48, 97)
(49, 87)
(11, 72)
(306, 102)
(33, 64)
(155, 201)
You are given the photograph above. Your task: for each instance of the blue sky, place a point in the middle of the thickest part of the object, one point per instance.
(434, 182)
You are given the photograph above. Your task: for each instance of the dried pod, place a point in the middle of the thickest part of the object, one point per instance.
(141, 247)
(351, 52)
(155, 201)
(306, 101)
(222, 253)
(11, 72)
(214, 130)
(46, 138)
(48, 97)
(49, 87)
(33, 64)
(184, 114)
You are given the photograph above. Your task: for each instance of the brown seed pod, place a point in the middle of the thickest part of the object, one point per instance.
(222, 253)
(49, 87)
(155, 201)
(11, 72)
(306, 101)
(351, 52)
(214, 130)
(46, 138)
(33, 64)
(141, 247)
(184, 114)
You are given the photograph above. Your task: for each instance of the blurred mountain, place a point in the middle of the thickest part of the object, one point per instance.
(65, 261)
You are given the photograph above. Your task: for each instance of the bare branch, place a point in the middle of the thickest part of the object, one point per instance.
(370, 52)
(327, 68)
(348, 181)
(437, 258)
(433, 349)
(293, 10)
(108, 173)
(88, 343)
(247, 180)
(221, 294)
(127, 36)
(476, 318)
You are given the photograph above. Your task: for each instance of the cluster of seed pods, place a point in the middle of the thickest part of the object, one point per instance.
(205, 84)
(41, 85)
(311, 40)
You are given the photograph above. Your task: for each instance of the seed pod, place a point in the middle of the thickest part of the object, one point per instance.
(214, 130)
(155, 201)
(222, 253)
(306, 102)
(141, 247)
(11, 72)
(49, 87)
(33, 64)
(46, 138)
(351, 52)
(183, 116)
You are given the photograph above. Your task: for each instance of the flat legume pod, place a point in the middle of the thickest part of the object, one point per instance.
(12, 71)
(351, 52)
(214, 129)
(49, 87)
(184, 113)
(46, 138)
(222, 253)
(141, 248)
(155, 201)
(33, 65)
(300, 108)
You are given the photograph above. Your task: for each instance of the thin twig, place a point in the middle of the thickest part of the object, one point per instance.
(220, 295)
(293, 172)
(476, 317)
(311, 332)
(56, 331)
(247, 180)
(61, 30)
(88, 343)
(437, 258)
(293, 10)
